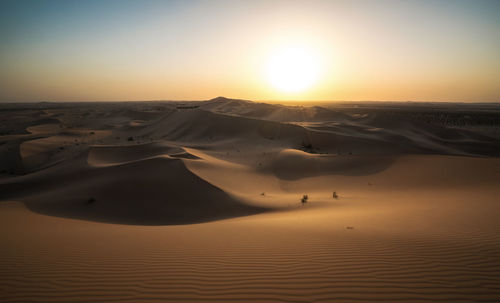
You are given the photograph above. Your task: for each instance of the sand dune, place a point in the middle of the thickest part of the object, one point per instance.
(154, 190)
(178, 201)
(272, 112)
(406, 129)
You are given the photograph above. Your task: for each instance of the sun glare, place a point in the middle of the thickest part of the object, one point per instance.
(293, 69)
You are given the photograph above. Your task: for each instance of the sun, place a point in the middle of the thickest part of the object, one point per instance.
(293, 69)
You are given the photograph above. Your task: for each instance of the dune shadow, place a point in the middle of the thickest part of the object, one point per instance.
(294, 164)
(154, 191)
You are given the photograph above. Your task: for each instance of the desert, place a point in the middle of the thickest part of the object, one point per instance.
(249, 151)
(202, 201)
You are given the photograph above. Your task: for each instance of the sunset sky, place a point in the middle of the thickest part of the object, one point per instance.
(196, 50)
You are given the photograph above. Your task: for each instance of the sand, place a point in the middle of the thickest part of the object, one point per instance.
(138, 202)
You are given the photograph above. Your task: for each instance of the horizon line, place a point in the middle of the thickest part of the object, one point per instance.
(256, 100)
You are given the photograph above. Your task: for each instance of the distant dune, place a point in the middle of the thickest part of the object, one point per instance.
(201, 201)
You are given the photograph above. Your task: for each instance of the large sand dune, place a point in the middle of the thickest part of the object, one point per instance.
(200, 201)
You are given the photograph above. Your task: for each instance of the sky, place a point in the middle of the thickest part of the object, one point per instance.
(66, 50)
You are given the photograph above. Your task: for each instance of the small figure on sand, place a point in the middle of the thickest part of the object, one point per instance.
(335, 196)
(304, 199)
